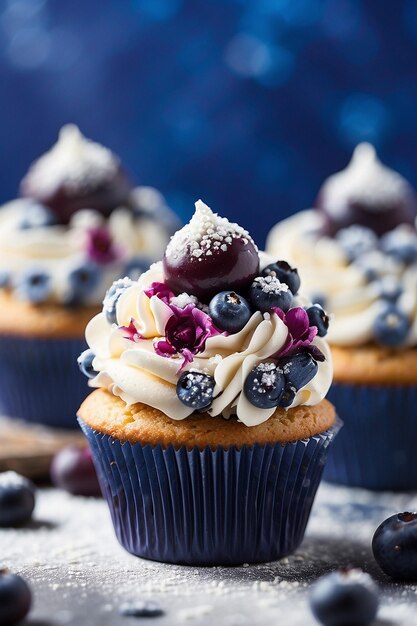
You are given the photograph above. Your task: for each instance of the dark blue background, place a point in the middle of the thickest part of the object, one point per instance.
(246, 104)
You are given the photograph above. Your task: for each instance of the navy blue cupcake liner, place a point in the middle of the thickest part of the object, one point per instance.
(40, 380)
(377, 446)
(209, 507)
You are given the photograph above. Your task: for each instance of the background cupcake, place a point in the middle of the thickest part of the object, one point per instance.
(209, 428)
(357, 256)
(78, 226)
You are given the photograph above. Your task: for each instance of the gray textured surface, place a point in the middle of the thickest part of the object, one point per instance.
(80, 575)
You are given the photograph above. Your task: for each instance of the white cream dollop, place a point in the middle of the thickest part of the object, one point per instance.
(133, 370)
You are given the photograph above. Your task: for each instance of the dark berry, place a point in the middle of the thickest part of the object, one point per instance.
(298, 369)
(34, 285)
(288, 396)
(195, 390)
(391, 327)
(264, 386)
(136, 266)
(229, 311)
(82, 280)
(141, 608)
(85, 363)
(72, 469)
(356, 241)
(17, 499)
(318, 317)
(401, 244)
(267, 292)
(209, 255)
(36, 216)
(15, 598)
(285, 274)
(395, 546)
(345, 598)
(390, 289)
(112, 296)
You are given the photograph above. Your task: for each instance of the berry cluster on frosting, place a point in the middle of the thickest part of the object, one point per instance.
(79, 225)
(215, 286)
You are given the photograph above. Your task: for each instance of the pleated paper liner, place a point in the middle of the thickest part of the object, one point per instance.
(40, 380)
(377, 446)
(205, 507)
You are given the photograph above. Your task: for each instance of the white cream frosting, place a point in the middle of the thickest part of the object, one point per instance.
(133, 370)
(353, 301)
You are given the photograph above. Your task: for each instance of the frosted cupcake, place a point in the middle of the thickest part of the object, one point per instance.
(208, 428)
(78, 226)
(357, 256)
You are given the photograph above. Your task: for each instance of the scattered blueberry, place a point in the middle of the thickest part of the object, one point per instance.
(390, 289)
(112, 296)
(288, 396)
(72, 469)
(391, 327)
(37, 216)
(15, 598)
(85, 363)
(136, 266)
(402, 245)
(267, 292)
(298, 369)
(195, 389)
(229, 311)
(285, 274)
(34, 285)
(17, 500)
(82, 280)
(395, 546)
(345, 598)
(4, 279)
(264, 386)
(319, 318)
(141, 608)
(357, 240)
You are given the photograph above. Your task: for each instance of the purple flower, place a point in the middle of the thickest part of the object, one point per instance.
(161, 290)
(186, 333)
(300, 333)
(131, 332)
(100, 246)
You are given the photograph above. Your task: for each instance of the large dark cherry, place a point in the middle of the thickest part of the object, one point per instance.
(205, 276)
(103, 198)
(379, 219)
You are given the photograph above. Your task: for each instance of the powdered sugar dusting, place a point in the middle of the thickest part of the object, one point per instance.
(205, 234)
(270, 284)
(74, 162)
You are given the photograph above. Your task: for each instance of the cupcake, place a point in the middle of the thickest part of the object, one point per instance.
(208, 426)
(78, 225)
(357, 255)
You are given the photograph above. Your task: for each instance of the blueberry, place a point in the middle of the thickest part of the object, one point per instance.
(402, 245)
(195, 390)
(267, 292)
(37, 216)
(344, 598)
(136, 266)
(390, 289)
(82, 280)
(264, 386)
(85, 363)
(15, 598)
(112, 296)
(4, 279)
(298, 369)
(395, 546)
(288, 396)
(141, 608)
(285, 274)
(357, 240)
(34, 285)
(318, 317)
(17, 499)
(229, 311)
(72, 469)
(391, 327)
